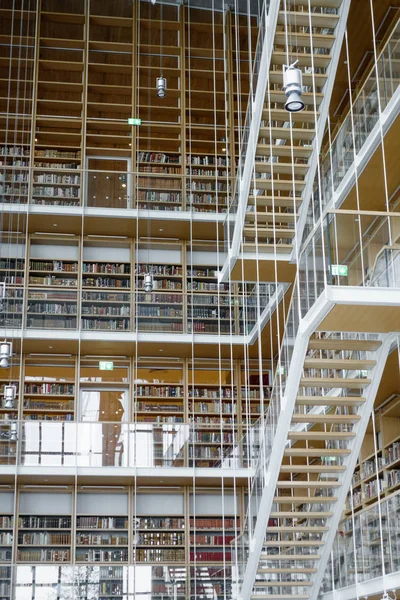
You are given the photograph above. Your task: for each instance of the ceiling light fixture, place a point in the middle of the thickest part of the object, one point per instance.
(292, 86)
(5, 354)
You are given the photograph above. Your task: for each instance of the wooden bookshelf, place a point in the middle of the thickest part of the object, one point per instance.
(43, 539)
(101, 539)
(369, 478)
(159, 394)
(6, 544)
(49, 390)
(159, 539)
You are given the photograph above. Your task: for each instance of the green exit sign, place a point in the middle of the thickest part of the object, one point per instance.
(341, 270)
(106, 365)
(132, 121)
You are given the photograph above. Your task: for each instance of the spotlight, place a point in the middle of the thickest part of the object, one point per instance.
(148, 282)
(161, 85)
(5, 354)
(9, 396)
(13, 432)
(292, 86)
(153, 2)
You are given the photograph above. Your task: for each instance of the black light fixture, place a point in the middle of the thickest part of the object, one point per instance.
(293, 88)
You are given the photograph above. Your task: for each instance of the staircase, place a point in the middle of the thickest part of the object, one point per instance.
(287, 146)
(341, 374)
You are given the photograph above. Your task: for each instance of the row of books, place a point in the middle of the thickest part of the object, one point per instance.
(102, 523)
(213, 407)
(41, 522)
(49, 388)
(165, 391)
(53, 265)
(159, 555)
(101, 539)
(161, 538)
(160, 523)
(93, 555)
(33, 556)
(146, 407)
(109, 268)
(44, 538)
(55, 178)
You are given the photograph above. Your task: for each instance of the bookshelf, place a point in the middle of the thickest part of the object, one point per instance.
(49, 389)
(159, 539)
(49, 304)
(6, 539)
(12, 275)
(213, 408)
(252, 386)
(386, 474)
(101, 539)
(159, 393)
(44, 531)
(210, 304)
(162, 309)
(14, 173)
(106, 268)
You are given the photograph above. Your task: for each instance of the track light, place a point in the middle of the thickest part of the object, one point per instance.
(5, 354)
(161, 85)
(10, 392)
(292, 86)
(13, 432)
(153, 2)
(148, 282)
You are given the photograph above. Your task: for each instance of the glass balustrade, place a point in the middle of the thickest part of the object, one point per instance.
(118, 444)
(360, 547)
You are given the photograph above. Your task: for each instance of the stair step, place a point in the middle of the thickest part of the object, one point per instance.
(308, 484)
(285, 168)
(285, 185)
(320, 435)
(335, 344)
(281, 596)
(281, 114)
(305, 59)
(276, 202)
(272, 583)
(306, 452)
(300, 515)
(302, 19)
(291, 543)
(334, 382)
(271, 217)
(308, 78)
(330, 400)
(272, 232)
(283, 150)
(305, 570)
(312, 468)
(279, 96)
(338, 363)
(286, 133)
(305, 499)
(298, 528)
(325, 418)
(278, 248)
(293, 557)
(303, 40)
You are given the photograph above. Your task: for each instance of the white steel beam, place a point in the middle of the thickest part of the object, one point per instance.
(256, 114)
(323, 110)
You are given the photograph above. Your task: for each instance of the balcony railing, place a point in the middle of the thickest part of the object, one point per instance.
(360, 546)
(117, 444)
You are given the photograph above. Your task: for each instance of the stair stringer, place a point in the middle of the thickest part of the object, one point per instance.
(256, 115)
(306, 328)
(350, 462)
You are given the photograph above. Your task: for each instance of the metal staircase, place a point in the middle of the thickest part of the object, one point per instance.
(341, 374)
(287, 148)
